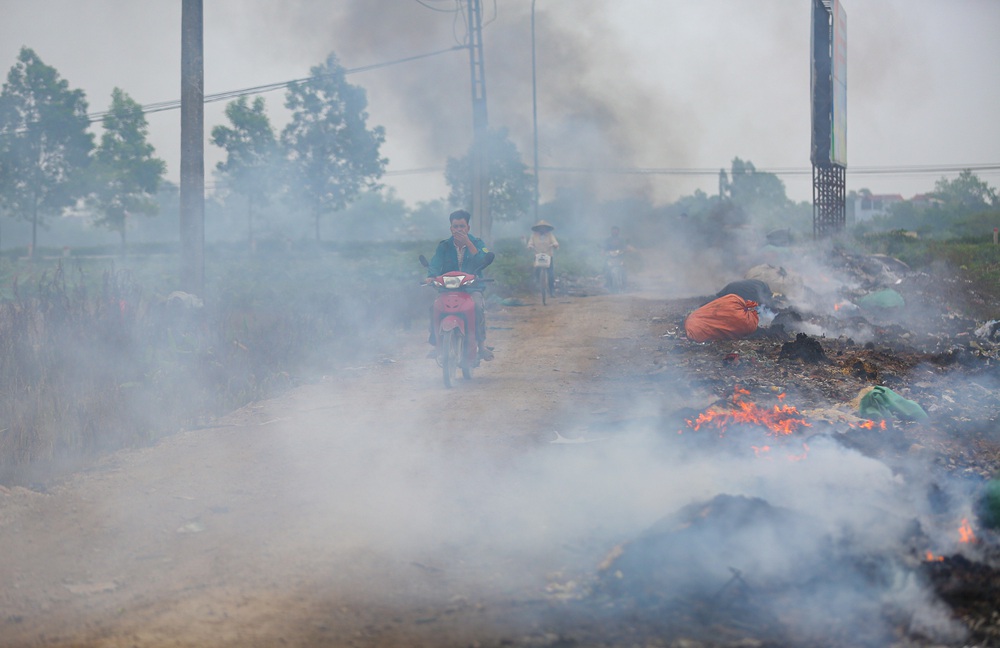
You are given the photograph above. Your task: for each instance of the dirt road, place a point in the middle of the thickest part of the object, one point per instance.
(374, 508)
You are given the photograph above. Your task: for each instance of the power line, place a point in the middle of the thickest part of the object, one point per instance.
(861, 170)
(423, 3)
(270, 87)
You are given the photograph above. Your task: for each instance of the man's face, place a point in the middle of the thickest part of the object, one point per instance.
(460, 227)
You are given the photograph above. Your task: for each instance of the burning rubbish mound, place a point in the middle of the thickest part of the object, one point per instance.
(738, 567)
(838, 494)
(811, 542)
(848, 505)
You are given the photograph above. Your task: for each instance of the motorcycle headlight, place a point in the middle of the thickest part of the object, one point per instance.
(451, 283)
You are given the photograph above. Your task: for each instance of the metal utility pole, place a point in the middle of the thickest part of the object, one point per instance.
(192, 189)
(480, 157)
(534, 103)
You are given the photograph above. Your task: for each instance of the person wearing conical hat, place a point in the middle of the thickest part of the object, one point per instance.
(543, 241)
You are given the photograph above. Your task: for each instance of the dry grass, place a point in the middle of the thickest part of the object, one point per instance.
(91, 366)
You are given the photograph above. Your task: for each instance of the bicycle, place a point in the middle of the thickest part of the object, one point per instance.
(543, 275)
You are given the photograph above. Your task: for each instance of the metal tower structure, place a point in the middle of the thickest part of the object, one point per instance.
(829, 116)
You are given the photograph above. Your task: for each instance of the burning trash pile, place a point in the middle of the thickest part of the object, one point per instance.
(812, 542)
(841, 486)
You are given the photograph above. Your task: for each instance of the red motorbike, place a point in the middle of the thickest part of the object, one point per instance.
(454, 321)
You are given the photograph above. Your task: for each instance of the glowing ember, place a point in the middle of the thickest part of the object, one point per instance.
(870, 425)
(965, 533)
(779, 421)
(800, 457)
(930, 557)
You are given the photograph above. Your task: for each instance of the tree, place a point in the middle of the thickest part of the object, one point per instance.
(510, 188)
(757, 192)
(44, 143)
(251, 166)
(374, 216)
(126, 175)
(966, 192)
(332, 155)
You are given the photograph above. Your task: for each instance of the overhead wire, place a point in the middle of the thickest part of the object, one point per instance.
(788, 171)
(423, 3)
(270, 87)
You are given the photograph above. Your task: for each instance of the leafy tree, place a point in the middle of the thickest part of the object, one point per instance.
(332, 154)
(44, 143)
(966, 192)
(126, 175)
(429, 219)
(511, 187)
(374, 216)
(251, 166)
(965, 206)
(757, 192)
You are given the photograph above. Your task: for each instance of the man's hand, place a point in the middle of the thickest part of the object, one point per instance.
(462, 238)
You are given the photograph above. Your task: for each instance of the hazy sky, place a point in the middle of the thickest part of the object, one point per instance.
(625, 84)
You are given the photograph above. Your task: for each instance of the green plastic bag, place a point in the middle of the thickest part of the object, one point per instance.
(887, 298)
(989, 505)
(881, 402)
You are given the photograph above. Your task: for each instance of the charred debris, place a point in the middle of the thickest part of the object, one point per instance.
(895, 366)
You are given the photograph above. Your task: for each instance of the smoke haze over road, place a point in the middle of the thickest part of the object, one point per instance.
(634, 85)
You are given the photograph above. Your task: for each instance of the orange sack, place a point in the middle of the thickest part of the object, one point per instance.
(727, 318)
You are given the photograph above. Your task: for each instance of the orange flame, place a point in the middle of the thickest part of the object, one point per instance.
(868, 425)
(965, 533)
(780, 421)
(930, 557)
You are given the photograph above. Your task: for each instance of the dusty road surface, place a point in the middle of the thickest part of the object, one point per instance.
(559, 498)
(374, 508)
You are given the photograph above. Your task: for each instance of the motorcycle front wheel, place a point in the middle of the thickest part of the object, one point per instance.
(452, 347)
(616, 280)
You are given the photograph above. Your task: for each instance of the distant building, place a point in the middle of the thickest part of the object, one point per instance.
(922, 201)
(867, 206)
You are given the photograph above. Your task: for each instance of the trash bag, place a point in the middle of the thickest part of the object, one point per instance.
(749, 289)
(729, 317)
(779, 280)
(885, 299)
(988, 505)
(881, 402)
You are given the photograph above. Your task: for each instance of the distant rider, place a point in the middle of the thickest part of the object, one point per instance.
(543, 241)
(467, 253)
(613, 243)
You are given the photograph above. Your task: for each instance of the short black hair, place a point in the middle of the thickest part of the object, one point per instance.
(461, 214)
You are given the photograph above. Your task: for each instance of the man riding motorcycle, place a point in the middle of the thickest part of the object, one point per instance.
(615, 248)
(466, 253)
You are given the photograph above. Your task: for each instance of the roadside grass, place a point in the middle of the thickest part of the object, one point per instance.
(976, 259)
(512, 270)
(96, 354)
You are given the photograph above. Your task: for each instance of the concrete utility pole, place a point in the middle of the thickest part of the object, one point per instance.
(480, 158)
(534, 104)
(192, 190)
